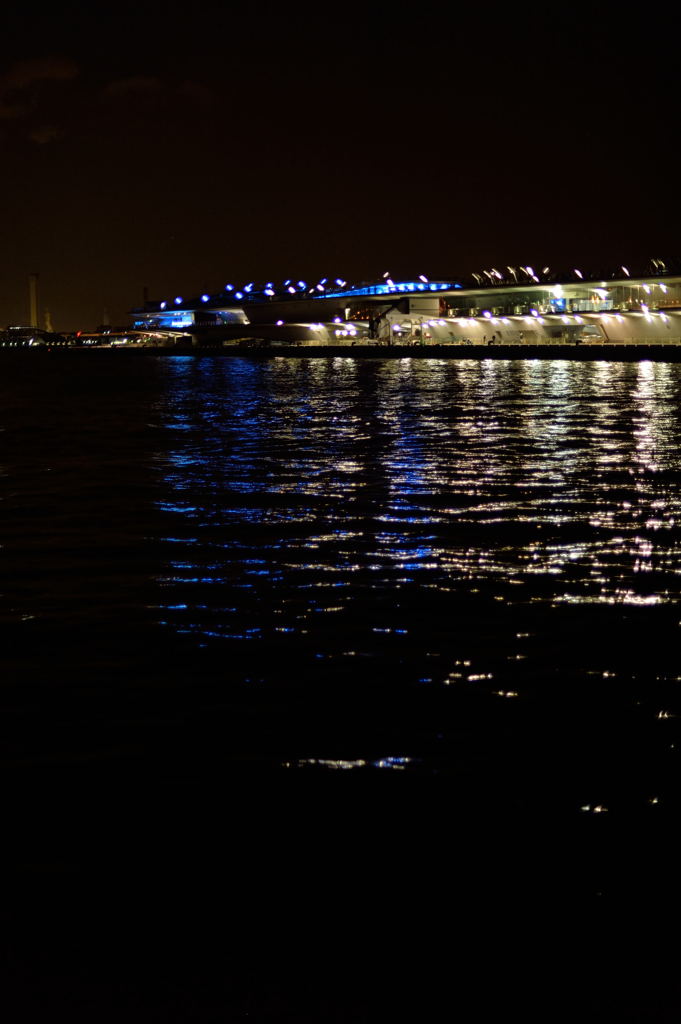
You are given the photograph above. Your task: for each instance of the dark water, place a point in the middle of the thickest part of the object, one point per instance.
(451, 583)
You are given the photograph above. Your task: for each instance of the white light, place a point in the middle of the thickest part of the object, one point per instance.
(534, 312)
(663, 287)
(487, 314)
(387, 274)
(423, 278)
(178, 300)
(280, 323)
(626, 271)
(292, 289)
(579, 274)
(268, 291)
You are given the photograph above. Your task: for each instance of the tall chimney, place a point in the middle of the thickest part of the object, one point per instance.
(33, 298)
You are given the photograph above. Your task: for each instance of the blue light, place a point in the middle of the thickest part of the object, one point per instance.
(163, 305)
(239, 295)
(421, 287)
(339, 282)
(178, 300)
(287, 283)
(248, 287)
(229, 287)
(301, 284)
(205, 298)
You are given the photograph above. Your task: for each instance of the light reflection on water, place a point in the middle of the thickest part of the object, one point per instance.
(551, 481)
(485, 527)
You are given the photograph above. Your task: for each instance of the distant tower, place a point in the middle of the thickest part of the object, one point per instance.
(48, 322)
(33, 298)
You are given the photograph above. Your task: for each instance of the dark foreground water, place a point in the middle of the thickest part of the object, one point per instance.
(449, 588)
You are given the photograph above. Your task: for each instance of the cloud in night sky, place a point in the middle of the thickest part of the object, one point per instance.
(17, 85)
(23, 95)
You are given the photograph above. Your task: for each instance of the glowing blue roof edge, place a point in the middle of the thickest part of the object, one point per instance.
(401, 288)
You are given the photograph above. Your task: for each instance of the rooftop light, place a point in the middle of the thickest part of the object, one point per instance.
(205, 298)
(178, 300)
(579, 274)
(422, 277)
(626, 271)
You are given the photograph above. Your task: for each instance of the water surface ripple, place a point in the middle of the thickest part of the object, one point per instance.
(453, 568)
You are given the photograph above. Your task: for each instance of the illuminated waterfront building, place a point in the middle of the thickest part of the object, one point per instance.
(514, 305)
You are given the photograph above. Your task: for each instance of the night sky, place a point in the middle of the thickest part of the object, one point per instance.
(181, 149)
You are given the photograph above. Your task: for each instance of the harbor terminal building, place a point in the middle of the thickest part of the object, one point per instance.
(500, 306)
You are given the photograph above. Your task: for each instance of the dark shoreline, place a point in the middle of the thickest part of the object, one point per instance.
(589, 353)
